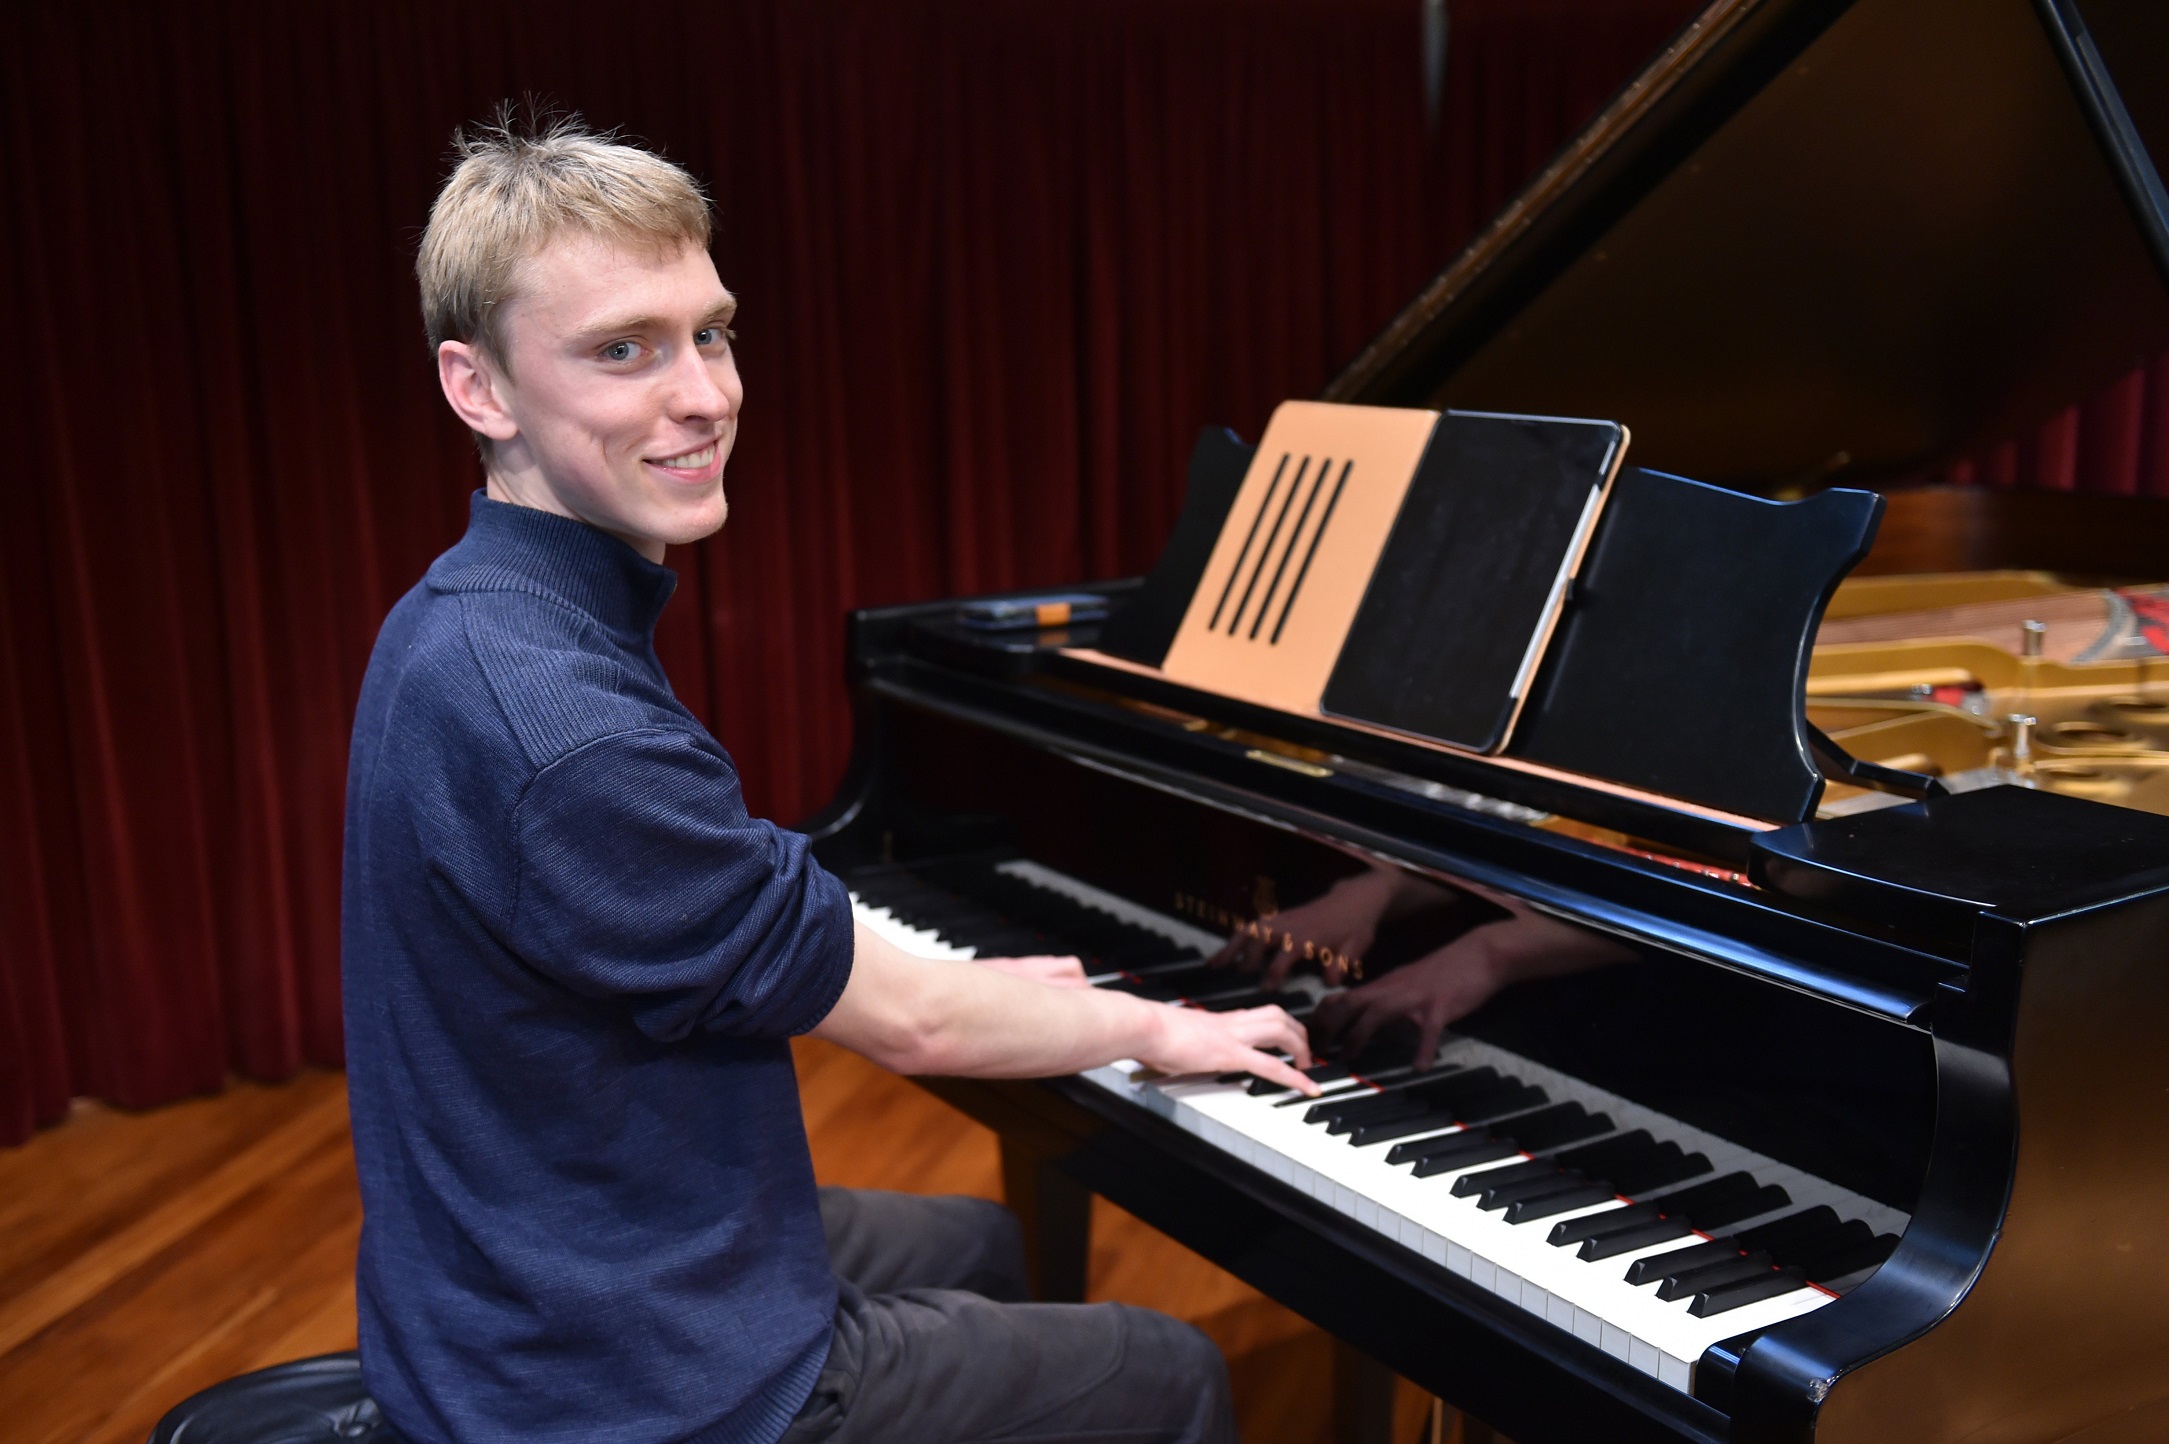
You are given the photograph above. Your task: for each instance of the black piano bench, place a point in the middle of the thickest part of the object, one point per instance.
(304, 1402)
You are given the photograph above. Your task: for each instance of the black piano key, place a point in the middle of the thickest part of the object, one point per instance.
(1501, 1105)
(1525, 1132)
(1708, 1192)
(1465, 1141)
(1689, 1282)
(1748, 1291)
(1347, 1085)
(1837, 1263)
(1430, 1090)
(1575, 1230)
(1695, 1255)
(1453, 1087)
(1666, 1166)
(1627, 1240)
(1505, 1194)
(1489, 1151)
(1553, 1127)
(1530, 1210)
(1512, 1173)
(1347, 1105)
(1425, 1122)
(1780, 1233)
(1849, 1234)
(1600, 1158)
(1369, 1106)
(1726, 1212)
(1389, 1109)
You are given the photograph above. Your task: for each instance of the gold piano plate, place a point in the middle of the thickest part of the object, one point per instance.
(1942, 701)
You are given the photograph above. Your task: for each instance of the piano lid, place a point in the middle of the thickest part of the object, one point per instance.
(1824, 240)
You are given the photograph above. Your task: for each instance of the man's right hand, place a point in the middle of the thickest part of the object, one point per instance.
(1191, 1040)
(918, 1015)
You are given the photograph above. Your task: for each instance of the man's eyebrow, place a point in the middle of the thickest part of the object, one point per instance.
(723, 310)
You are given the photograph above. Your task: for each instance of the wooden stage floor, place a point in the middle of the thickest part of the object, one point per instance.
(144, 1256)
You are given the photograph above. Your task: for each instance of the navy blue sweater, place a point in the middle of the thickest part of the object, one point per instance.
(572, 963)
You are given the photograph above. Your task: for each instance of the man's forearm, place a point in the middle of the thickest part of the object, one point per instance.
(917, 1015)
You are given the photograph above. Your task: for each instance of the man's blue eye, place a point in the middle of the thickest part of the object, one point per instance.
(711, 336)
(618, 351)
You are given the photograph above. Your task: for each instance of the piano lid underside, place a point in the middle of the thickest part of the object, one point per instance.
(1907, 245)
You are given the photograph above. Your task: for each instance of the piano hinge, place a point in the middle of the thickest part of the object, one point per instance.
(1293, 764)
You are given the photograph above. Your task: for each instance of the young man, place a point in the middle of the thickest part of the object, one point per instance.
(573, 961)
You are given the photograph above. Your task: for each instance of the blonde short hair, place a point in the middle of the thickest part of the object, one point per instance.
(513, 192)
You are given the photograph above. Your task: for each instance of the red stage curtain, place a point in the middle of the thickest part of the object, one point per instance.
(999, 262)
(2113, 444)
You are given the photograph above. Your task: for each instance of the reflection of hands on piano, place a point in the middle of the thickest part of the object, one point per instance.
(1342, 921)
(1455, 980)
(1055, 972)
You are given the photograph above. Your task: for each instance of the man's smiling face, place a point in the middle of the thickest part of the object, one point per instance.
(619, 400)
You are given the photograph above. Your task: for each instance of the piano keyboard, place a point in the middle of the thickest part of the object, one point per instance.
(1640, 1234)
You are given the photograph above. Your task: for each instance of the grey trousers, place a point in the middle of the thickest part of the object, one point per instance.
(934, 1344)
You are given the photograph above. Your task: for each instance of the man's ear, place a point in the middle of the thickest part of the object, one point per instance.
(475, 388)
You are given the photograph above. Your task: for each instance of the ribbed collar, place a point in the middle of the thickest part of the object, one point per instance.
(523, 549)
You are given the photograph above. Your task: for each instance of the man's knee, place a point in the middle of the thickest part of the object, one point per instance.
(998, 1270)
(1174, 1362)
(1185, 1350)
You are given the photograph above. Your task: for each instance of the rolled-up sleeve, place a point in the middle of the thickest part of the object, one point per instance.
(641, 877)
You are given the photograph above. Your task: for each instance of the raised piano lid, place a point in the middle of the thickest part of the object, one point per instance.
(1823, 242)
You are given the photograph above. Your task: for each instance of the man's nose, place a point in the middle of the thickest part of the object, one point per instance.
(695, 393)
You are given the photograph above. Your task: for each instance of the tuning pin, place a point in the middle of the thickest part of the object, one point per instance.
(2022, 725)
(2031, 635)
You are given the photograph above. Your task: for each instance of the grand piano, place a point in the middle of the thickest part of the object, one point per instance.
(1664, 1099)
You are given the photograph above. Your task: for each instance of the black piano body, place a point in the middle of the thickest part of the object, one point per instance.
(1815, 243)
